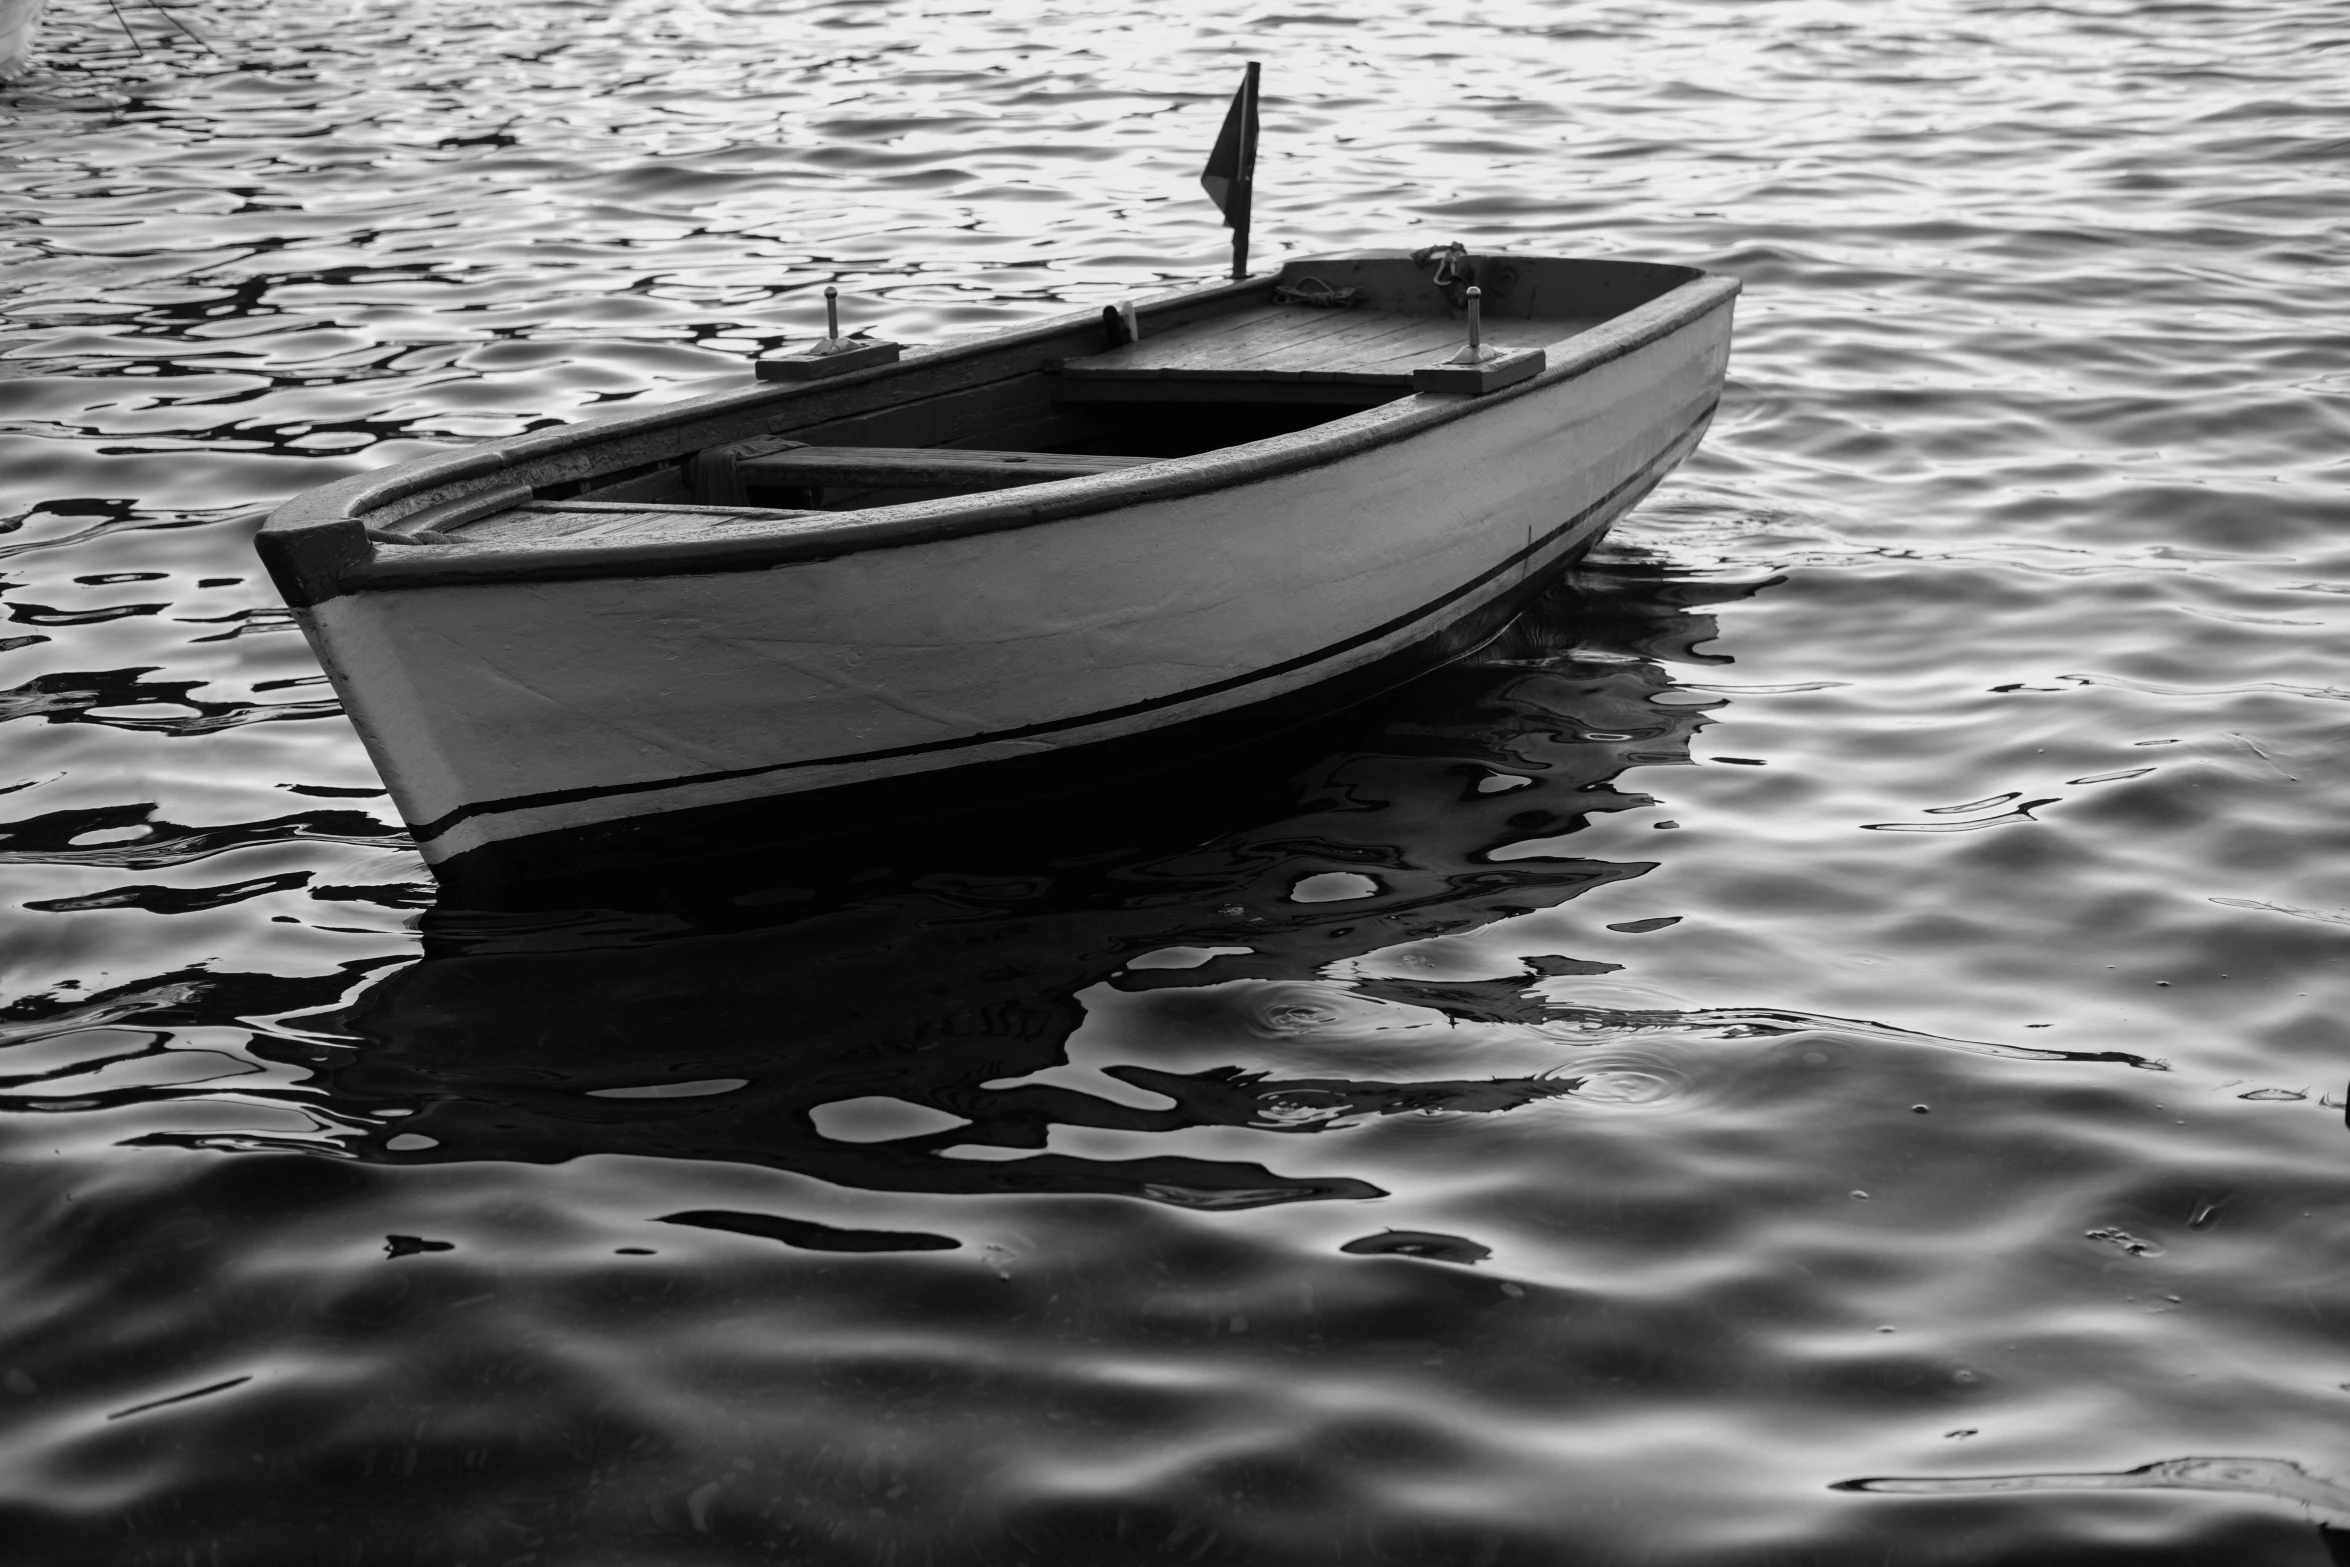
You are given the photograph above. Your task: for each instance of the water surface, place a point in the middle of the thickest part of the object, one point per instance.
(1822, 1046)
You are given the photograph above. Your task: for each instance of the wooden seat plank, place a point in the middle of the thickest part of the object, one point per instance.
(921, 467)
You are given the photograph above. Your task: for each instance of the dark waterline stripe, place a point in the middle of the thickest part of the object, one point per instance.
(1649, 472)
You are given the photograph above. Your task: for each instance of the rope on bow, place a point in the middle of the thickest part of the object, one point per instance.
(1452, 264)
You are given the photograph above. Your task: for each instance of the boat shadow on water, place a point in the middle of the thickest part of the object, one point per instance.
(713, 1016)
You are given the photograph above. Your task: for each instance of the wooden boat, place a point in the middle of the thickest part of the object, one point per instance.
(1090, 538)
(20, 21)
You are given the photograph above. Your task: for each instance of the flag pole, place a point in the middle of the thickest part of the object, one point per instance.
(1230, 178)
(1245, 182)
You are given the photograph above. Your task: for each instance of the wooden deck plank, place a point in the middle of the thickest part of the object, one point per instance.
(1232, 332)
(1409, 341)
(1297, 345)
(1355, 348)
(1289, 343)
(1363, 334)
(1277, 333)
(1221, 342)
(1379, 349)
(1260, 339)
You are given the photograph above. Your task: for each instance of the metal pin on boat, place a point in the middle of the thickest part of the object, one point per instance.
(1476, 353)
(1478, 367)
(831, 354)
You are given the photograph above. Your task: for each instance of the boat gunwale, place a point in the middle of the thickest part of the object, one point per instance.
(758, 544)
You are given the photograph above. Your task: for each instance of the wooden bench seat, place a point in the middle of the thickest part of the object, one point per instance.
(789, 473)
(919, 467)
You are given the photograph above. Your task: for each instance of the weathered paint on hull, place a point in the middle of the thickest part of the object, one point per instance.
(505, 710)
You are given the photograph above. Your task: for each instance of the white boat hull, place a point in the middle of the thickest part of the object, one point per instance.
(507, 710)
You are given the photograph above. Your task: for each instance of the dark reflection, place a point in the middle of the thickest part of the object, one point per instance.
(126, 837)
(1419, 1243)
(2280, 1478)
(713, 1025)
(2277, 1478)
(1228, 1096)
(809, 1236)
(178, 1398)
(173, 900)
(87, 697)
(142, 1018)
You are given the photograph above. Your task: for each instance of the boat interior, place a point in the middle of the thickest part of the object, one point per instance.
(1192, 373)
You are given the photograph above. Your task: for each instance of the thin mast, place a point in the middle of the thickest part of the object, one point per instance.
(1245, 184)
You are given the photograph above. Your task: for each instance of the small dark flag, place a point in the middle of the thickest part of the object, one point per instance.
(1232, 166)
(1230, 177)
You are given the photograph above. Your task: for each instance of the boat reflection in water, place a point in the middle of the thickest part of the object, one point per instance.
(722, 1021)
(975, 1197)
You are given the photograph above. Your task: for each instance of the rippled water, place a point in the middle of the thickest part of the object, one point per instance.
(1850, 990)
